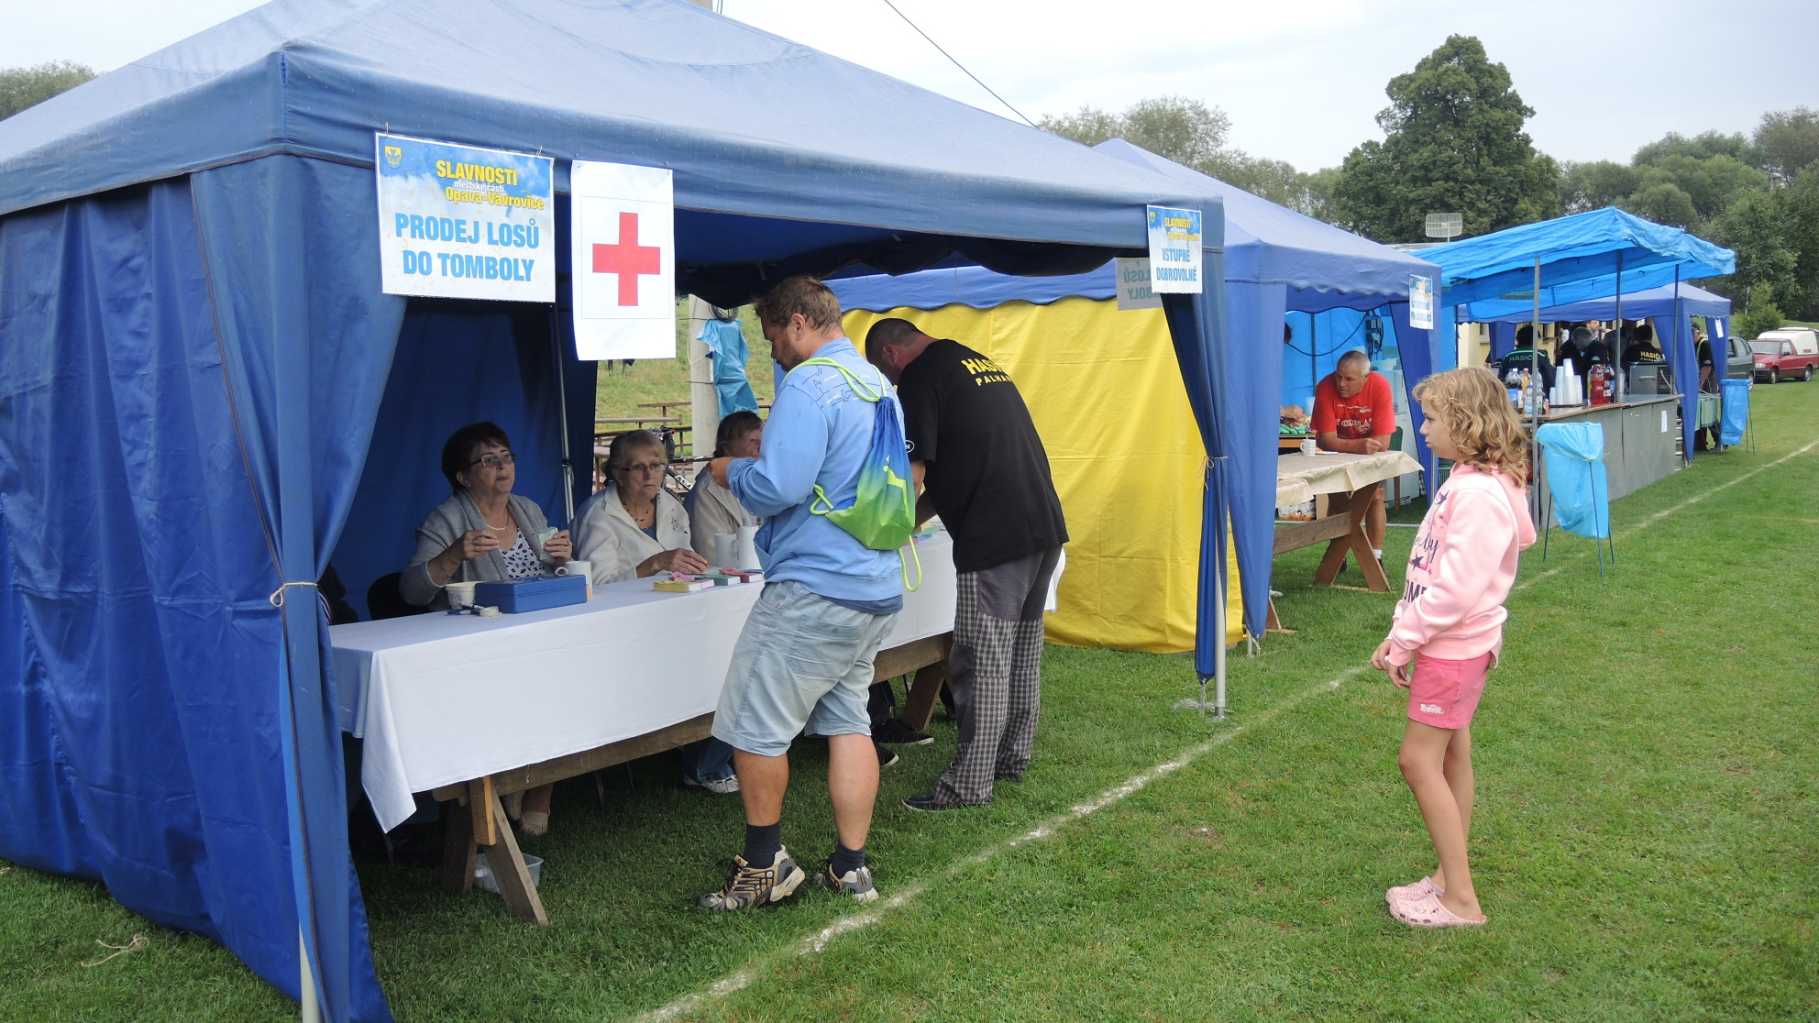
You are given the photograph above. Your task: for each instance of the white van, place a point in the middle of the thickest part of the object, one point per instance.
(1804, 339)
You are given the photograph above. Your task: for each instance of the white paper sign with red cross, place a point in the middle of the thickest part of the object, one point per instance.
(624, 269)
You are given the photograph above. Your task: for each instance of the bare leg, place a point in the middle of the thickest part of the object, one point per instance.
(1458, 768)
(762, 781)
(852, 784)
(1421, 760)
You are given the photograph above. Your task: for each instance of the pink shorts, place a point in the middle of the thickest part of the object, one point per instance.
(1445, 692)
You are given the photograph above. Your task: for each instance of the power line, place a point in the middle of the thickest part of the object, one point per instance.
(956, 63)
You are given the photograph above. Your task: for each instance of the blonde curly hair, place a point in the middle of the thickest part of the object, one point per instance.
(1474, 406)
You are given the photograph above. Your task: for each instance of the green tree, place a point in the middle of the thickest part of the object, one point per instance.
(1712, 183)
(1799, 208)
(1317, 190)
(1453, 141)
(1759, 314)
(1184, 130)
(1756, 228)
(1595, 185)
(1664, 203)
(23, 87)
(1088, 126)
(1789, 141)
(1699, 147)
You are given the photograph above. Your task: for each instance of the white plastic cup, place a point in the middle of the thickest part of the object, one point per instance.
(460, 594)
(726, 549)
(1308, 446)
(582, 569)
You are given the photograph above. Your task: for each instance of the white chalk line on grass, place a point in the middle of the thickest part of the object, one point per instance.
(818, 942)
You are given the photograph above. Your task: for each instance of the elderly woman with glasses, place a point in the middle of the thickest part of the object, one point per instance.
(632, 527)
(483, 532)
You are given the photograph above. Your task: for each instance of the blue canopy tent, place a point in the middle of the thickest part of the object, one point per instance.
(1665, 305)
(1277, 261)
(204, 395)
(1579, 258)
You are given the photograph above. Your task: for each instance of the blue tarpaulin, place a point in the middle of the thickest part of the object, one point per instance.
(726, 346)
(1576, 483)
(200, 371)
(1276, 261)
(1736, 412)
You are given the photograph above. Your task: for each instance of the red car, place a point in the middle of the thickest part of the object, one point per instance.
(1786, 353)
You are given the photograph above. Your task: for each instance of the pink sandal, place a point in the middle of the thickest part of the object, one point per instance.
(1429, 911)
(1409, 892)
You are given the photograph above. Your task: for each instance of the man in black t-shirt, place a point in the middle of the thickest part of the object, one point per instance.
(974, 447)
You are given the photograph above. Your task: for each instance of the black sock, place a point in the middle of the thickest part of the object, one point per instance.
(845, 860)
(762, 842)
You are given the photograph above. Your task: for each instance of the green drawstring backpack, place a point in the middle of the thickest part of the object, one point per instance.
(883, 513)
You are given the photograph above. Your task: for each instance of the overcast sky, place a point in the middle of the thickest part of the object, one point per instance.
(1301, 79)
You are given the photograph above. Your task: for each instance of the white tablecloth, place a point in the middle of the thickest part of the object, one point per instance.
(1299, 477)
(442, 698)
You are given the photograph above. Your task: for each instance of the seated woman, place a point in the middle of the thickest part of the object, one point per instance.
(484, 533)
(711, 507)
(632, 528)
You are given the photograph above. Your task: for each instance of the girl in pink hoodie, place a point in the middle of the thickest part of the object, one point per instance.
(1448, 626)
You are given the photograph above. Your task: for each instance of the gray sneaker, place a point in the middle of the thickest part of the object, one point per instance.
(855, 883)
(750, 886)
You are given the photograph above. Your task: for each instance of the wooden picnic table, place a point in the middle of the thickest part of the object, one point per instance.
(1348, 482)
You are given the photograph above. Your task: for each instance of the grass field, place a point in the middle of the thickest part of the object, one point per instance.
(620, 391)
(1646, 843)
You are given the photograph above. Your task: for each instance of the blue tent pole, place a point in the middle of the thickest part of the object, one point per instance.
(568, 465)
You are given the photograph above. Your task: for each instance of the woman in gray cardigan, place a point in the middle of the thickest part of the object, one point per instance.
(483, 532)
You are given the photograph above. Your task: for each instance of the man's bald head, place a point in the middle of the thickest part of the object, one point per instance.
(894, 343)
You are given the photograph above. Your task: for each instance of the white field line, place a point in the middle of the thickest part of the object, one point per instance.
(691, 1004)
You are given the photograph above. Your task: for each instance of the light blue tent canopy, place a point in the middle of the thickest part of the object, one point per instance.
(1636, 305)
(1581, 257)
(1277, 261)
(1584, 258)
(208, 397)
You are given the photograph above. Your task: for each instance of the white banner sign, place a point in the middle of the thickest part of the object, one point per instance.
(464, 222)
(1134, 284)
(1420, 302)
(1174, 251)
(624, 270)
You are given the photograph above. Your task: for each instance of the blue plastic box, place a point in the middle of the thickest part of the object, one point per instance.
(533, 594)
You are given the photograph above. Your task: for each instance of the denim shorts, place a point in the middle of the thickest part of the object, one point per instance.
(802, 661)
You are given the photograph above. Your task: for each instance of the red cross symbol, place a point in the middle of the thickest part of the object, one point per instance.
(628, 259)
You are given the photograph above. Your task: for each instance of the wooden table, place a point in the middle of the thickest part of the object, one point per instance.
(475, 820)
(1350, 483)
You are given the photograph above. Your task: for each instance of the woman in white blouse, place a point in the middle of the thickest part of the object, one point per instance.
(632, 527)
(711, 507)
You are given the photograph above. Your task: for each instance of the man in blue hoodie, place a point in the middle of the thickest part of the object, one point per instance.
(804, 659)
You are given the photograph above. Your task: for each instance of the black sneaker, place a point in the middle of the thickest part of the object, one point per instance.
(886, 757)
(750, 886)
(927, 803)
(855, 883)
(894, 731)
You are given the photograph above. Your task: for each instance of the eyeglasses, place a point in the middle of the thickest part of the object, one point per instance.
(497, 460)
(643, 468)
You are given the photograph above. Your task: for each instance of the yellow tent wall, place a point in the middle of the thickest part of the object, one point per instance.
(1106, 394)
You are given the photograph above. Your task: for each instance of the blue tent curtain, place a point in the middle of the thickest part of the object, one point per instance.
(1195, 325)
(1503, 340)
(457, 363)
(291, 256)
(1249, 421)
(150, 746)
(1676, 336)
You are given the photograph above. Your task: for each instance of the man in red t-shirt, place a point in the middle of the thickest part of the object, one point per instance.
(1353, 413)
